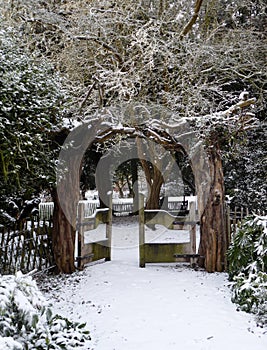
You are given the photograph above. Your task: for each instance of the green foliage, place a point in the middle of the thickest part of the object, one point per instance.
(245, 169)
(27, 322)
(247, 257)
(31, 96)
(250, 292)
(249, 246)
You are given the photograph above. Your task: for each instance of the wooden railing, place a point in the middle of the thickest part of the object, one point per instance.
(167, 252)
(100, 248)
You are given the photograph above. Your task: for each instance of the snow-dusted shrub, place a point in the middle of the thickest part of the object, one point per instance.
(27, 322)
(32, 105)
(250, 291)
(249, 246)
(248, 267)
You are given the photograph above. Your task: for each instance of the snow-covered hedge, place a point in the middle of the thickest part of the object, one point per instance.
(248, 267)
(27, 322)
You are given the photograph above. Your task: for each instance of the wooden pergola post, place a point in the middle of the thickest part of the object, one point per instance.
(141, 231)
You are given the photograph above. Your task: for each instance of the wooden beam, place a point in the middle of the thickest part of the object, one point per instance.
(165, 252)
(142, 259)
(162, 217)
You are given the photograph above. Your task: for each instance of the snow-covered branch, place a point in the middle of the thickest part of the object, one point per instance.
(238, 106)
(101, 43)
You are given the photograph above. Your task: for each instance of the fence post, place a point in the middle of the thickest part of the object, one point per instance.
(109, 227)
(234, 224)
(142, 262)
(80, 233)
(192, 219)
(228, 223)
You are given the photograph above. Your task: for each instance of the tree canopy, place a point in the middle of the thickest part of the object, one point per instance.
(192, 57)
(137, 50)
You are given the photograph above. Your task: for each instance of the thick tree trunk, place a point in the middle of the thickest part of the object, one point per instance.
(154, 192)
(66, 198)
(63, 239)
(214, 239)
(153, 174)
(67, 193)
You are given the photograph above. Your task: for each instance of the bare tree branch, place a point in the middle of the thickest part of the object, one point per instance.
(86, 96)
(193, 20)
(101, 43)
(240, 105)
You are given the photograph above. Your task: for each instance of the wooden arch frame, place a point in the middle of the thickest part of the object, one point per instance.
(207, 169)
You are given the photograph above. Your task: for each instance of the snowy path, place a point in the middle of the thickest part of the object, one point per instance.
(166, 307)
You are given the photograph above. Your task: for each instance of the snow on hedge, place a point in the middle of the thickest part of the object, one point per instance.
(27, 322)
(248, 267)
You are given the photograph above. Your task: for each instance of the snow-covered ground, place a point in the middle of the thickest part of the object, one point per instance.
(160, 307)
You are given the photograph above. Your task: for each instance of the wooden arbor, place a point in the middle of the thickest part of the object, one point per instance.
(205, 162)
(209, 184)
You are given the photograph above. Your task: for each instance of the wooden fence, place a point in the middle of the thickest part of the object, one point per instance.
(235, 215)
(174, 205)
(46, 210)
(25, 247)
(123, 206)
(89, 207)
(167, 252)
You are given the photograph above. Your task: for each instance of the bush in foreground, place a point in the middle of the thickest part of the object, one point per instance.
(248, 267)
(27, 322)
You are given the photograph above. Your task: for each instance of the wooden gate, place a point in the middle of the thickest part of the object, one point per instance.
(92, 249)
(167, 252)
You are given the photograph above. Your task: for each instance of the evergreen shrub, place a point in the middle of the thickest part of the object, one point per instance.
(27, 322)
(247, 257)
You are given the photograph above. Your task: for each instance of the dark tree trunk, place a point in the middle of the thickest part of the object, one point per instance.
(67, 193)
(63, 239)
(154, 192)
(134, 186)
(154, 177)
(214, 238)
